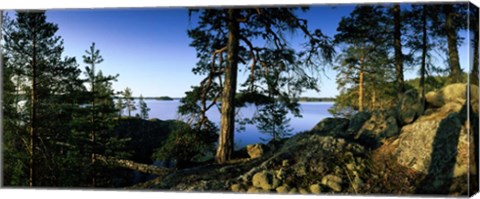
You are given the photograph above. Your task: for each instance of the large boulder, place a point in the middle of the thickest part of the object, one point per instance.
(332, 126)
(474, 98)
(382, 124)
(455, 93)
(409, 107)
(436, 144)
(357, 122)
(333, 182)
(265, 180)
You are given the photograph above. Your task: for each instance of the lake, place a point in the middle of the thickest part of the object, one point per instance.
(312, 113)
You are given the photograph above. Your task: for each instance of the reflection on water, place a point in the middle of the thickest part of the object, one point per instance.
(312, 113)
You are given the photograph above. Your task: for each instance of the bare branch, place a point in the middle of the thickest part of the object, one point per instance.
(254, 61)
(144, 168)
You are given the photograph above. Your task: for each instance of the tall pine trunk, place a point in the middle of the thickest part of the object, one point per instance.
(453, 59)
(397, 42)
(33, 119)
(92, 133)
(227, 123)
(424, 56)
(360, 83)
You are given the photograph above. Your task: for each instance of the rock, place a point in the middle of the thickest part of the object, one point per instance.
(474, 98)
(332, 126)
(333, 182)
(357, 183)
(409, 107)
(315, 189)
(255, 190)
(293, 191)
(265, 180)
(318, 167)
(285, 163)
(438, 144)
(255, 150)
(283, 189)
(451, 93)
(303, 191)
(434, 145)
(300, 169)
(381, 124)
(357, 122)
(237, 188)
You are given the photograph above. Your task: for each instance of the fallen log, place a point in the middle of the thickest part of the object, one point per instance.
(144, 168)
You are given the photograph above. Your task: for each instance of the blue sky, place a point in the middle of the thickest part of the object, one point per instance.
(149, 47)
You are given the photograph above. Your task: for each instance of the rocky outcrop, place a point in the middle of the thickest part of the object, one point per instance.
(332, 126)
(378, 152)
(365, 128)
(438, 144)
(435, 141)
(307, 163)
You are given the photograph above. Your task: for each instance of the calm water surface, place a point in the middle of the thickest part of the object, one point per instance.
(312, 113)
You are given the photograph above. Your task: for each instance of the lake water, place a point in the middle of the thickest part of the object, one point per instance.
(312, 113)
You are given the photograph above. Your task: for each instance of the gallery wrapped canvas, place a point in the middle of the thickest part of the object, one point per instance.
(347, 99)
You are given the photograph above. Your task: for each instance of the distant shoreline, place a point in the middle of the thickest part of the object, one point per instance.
(316, 99)
(161, 98)
(301, 99)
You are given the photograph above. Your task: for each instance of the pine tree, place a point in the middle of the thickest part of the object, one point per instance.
(448, 21)
(272, 120)
(227, 35)
(421, 42)
(129, 102)
(102, 114)
(397, 44)
(474, 24)
(143, 108)
(50, 87)
(120, 106)
(14, 146)
(364, 32)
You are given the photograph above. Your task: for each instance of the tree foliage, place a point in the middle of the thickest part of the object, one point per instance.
(255, 38)
(365, 69)
(143, 108)
(129, 102)
(45, 85)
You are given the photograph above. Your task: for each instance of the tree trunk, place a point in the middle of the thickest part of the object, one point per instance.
(424, 57)
(474, 74)
(33, 119)
(92, 135)
(360, 84)
(227, 123)
(144, 168)
(398, 49)
(453, 59)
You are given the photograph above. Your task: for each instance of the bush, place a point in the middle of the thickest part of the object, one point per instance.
(185, 144)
